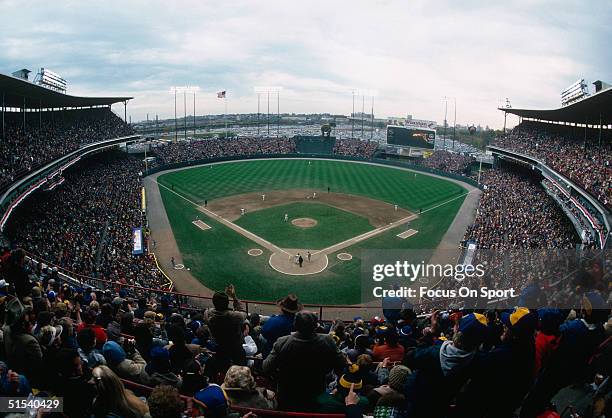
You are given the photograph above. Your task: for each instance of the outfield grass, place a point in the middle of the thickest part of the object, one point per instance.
(387, 184)
(333, 225)
(219, 256)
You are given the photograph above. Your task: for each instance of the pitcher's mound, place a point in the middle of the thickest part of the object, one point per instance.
(304, 222)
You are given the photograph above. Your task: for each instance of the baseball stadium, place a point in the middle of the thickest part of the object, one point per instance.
(262, 266)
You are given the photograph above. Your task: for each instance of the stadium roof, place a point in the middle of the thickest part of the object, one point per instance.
(588, 110)
(15, 89)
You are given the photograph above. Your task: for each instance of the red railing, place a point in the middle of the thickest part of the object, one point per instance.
(196, 408)
(199, 301)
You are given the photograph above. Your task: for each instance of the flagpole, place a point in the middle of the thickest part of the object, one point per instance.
(225, 99)
(258, 113)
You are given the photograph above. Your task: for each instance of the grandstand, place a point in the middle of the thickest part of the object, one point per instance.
(570, 148)
(91, 317)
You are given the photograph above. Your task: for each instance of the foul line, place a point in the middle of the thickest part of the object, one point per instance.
(255, 238)
(336, 247)
(352, 241)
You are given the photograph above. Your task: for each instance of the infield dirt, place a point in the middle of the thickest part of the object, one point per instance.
(377, 212)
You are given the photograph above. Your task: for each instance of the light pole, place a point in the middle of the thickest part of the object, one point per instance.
(353, 117)
(258, 124)
(185, 109)
(445, 114)
(173, 90)
(269, 90)
(183, 89)
(455, 124)
(362, 113)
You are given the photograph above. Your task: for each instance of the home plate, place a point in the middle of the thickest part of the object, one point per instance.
(407, 234)
(201, 225)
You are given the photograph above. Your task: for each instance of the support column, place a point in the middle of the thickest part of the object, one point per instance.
(24, 116)
(600, 128)
(3, 128)
(40, 115)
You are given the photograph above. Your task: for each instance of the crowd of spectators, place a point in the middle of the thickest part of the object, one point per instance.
(196, 150)
(589, 234)
(448, 162)
(85, 225)
(585, 162)
(93, 344)
(515, 212)
(92, 347)
(355, 148)
(221, 147)
(53, 135)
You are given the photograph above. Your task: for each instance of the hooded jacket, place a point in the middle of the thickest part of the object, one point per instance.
(439, 373)
(127, 368)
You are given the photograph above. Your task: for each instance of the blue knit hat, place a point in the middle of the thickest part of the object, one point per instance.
(213, 397)
(474, 324)
(113, 352)
(519, 319)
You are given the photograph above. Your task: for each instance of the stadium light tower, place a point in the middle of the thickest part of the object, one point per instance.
(445, 115)
(455, 124)
(371, 93)
(353, 117)
(184, 90)
(173, 90)
(269, 90)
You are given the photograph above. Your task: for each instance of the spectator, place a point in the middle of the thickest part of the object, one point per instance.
(334, 402)
(279, 325)
(91, 356)
(130, 367)
(193, 378)
(226, 328)
(213, 402)
(165, 402)
(13, 384)
(441, 369)
(390, 349)
(514, 359)
(241, 390)
(73, 384)
(113, 398)
(159, 369)
(301, 361)
(89, 321)
(22, 350)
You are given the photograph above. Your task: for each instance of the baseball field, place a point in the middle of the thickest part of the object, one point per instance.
(246, 222)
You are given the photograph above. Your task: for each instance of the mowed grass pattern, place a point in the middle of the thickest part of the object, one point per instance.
(219, 256)
(333, 225)
(394, 186)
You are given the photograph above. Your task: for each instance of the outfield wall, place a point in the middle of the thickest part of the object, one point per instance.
(381, 161)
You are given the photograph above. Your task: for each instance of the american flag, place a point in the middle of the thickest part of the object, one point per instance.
(221, 94)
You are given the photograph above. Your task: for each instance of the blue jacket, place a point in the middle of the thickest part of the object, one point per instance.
(275, 327)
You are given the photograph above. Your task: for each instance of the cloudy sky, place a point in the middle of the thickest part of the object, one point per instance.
(410, 53)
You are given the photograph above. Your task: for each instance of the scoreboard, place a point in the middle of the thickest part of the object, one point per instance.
(406, 136)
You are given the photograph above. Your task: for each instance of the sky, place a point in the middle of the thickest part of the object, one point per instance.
(407, 54)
